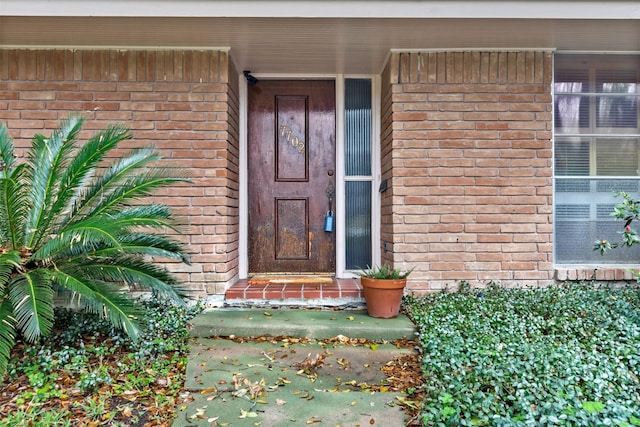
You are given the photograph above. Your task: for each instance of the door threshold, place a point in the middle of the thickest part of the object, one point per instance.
(336, 293)
(291, 279)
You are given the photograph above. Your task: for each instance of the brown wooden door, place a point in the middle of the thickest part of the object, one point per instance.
(291, 160)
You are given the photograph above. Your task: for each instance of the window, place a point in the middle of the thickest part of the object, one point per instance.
(358, 173)
(596, 152)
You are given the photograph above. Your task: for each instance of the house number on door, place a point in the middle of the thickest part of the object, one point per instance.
(293, 140)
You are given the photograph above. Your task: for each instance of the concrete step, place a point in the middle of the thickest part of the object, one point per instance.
(222, 374)
(319, 324)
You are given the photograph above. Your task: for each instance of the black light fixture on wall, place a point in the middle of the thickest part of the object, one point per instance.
(250, 79)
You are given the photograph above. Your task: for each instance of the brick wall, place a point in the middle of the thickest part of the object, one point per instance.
(466, 147)
(184, 102)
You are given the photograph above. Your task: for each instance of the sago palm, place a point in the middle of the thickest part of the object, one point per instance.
(72, 222)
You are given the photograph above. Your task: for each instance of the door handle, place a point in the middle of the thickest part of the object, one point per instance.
(331, 192)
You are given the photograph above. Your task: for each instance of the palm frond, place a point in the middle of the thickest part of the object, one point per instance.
(145, 244)
(31, 295)
(47, 159)
(99, 297)
(7, 334)
(87, 235)
(135, 188)
(105, 232)
(9, 262)
(83, 166)
(131, 245)
(104, 184)
(7, 151)
(152, 216)
(13, 208)
(136, 273)
(114, 307)
(72, 280)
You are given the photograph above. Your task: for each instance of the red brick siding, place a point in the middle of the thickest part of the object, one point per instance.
(467, 150)
(183, 102)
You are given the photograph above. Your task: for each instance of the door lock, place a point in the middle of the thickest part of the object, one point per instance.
(329, 218)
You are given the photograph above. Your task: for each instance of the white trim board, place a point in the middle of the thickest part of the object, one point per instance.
(530, 9)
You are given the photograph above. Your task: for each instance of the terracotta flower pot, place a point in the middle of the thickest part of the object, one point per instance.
(383, 296)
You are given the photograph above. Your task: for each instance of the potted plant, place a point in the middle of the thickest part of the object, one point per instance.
(383, 288)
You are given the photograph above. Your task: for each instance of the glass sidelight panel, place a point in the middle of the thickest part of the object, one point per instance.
(358, 224)
(358, 173)
(357, 127)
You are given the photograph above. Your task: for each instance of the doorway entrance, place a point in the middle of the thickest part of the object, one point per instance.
(291, 146)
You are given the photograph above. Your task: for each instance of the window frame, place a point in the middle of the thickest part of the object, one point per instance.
(595, 134)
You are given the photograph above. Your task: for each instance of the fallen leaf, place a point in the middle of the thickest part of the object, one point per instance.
(343, 362)
(246, 414)
(314, 421)
(200, 414)
(280, 402)
(310, 364)
(240, 393)
(266, 313)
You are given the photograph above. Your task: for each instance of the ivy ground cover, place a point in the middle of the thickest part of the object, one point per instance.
(565, 355)
(86, 373)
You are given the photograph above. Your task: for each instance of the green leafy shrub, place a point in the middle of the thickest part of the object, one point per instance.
(629, 211)
(565, 355)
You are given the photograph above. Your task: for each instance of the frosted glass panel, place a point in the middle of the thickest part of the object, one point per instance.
(572, 156)
(358, 224)
(617, 157)
(357, 127)
(581, 217)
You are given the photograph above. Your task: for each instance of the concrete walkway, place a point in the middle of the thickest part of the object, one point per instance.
(295, 382)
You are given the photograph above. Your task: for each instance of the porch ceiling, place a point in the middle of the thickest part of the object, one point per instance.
(325, 45)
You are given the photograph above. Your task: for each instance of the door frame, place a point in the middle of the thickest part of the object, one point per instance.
(243, 234)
